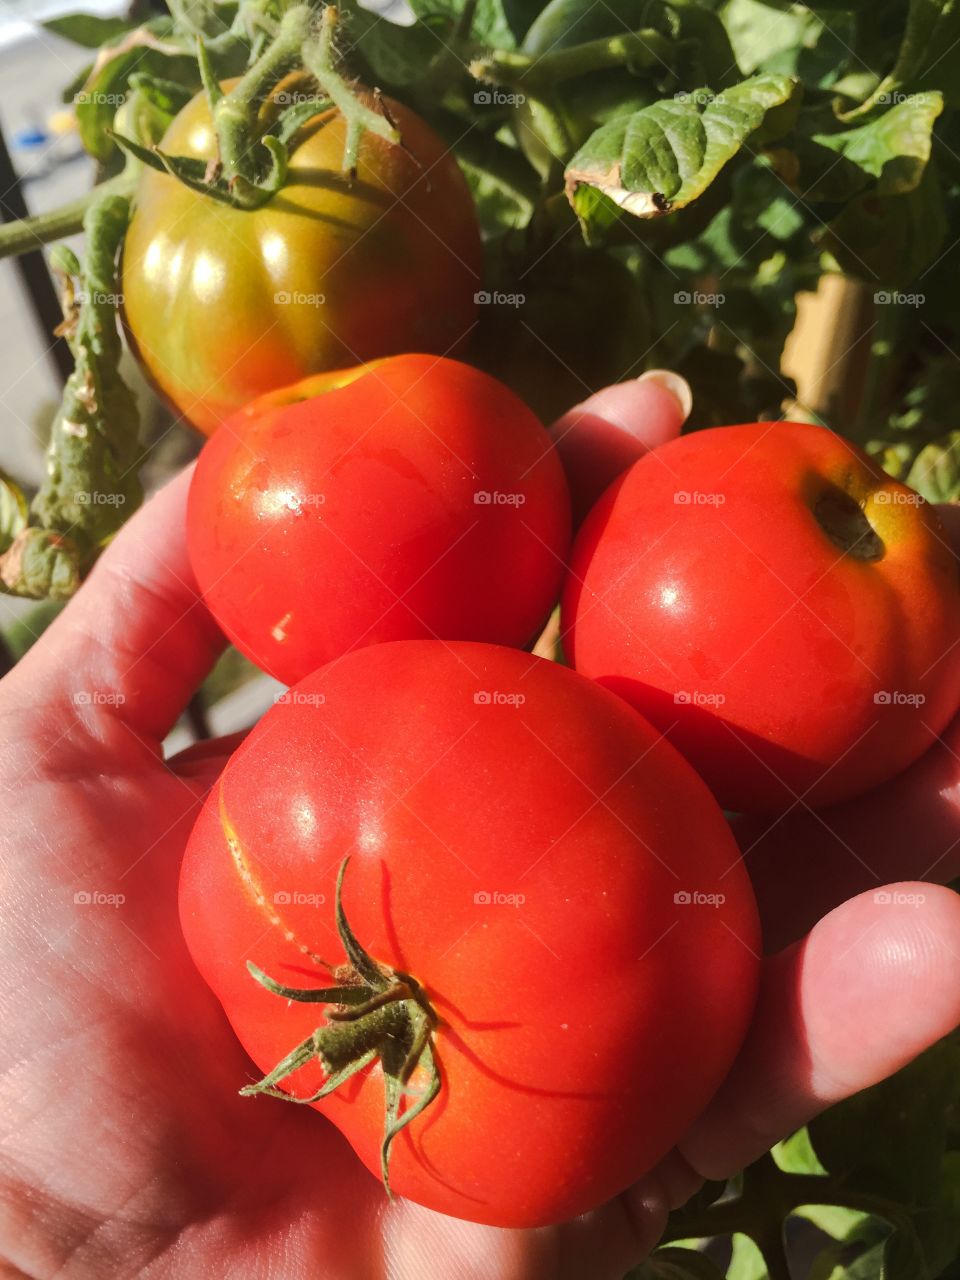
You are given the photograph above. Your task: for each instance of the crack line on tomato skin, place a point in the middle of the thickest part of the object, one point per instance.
(241, 863)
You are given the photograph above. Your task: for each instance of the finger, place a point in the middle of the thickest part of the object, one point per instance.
(805, 864)
(137, 639)
(604, 1244)
(601, 437)
(875, 983)
(202, 763)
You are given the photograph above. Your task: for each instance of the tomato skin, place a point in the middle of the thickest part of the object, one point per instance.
(780, 667)
(222, 305)
(321, 525)
(581, 1030)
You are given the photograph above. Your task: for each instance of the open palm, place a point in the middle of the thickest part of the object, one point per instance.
(124, 1146)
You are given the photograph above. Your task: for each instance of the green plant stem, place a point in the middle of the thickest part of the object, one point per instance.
(44, 228)
(771, 1246)
(644, 49)
(319, 57)
(235, 113)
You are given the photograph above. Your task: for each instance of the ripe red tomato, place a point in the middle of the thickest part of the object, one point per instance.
(420, 499)
(556, 881)
(776, 604)
(223, 304)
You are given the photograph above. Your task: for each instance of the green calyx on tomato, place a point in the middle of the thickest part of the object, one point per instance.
(253, 143)
(377, 1014)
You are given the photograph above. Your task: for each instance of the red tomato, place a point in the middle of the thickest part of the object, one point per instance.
(776, 604)
(420, 499)
(549, 871)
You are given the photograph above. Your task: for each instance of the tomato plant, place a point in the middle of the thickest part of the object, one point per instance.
(223, 304)
(420, 499)
(779, 606)
(559, 885)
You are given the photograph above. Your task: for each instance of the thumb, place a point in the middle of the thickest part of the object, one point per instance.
(608, 432)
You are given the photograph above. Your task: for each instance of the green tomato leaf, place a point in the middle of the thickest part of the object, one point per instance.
(666, 155)
(23, 632)
(791, 41)
(14, 511)
(747, 1261)
(86, 30)
(760, 33)
(835, 1263)
(147, 51)
(890, 1139)
(500, 207)
(936, 470)
(672, 1263)
(924, 60)
(903, 1256)
(489, 23)
(91, 483)
(212, 17)
(397, 56)
(702, 52)
(833, 1219)
(796, 1154)
(890, 152)
(939, 1227)
(520, 14)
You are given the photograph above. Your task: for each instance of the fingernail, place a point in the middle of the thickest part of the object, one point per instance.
(678, 387)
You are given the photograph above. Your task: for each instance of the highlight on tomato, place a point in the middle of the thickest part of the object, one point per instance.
(779, 606)
(480, 914)
(223, 304)
(421, 498)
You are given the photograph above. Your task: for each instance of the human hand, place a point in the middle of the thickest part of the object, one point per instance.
(126, 1149)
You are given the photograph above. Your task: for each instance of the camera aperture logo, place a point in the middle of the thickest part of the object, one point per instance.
(94, 498)
(284, 98)
(898, 498)
(897, 698)
(86, 98)
(698, 97)
(898, 898)
(495, 498)
(695, 298)
(494, 898)
(98, 698)
(696, 698)
(300, 698)
(498, 98)
(495, 298)
(698, 498)
(894, 298)
(496, 698)
(97, 898)
(694, 898)
(284, 298)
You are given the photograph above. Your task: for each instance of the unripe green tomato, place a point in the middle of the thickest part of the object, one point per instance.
(223, 304)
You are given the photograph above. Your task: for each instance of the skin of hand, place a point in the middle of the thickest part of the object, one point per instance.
(125, 1149)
